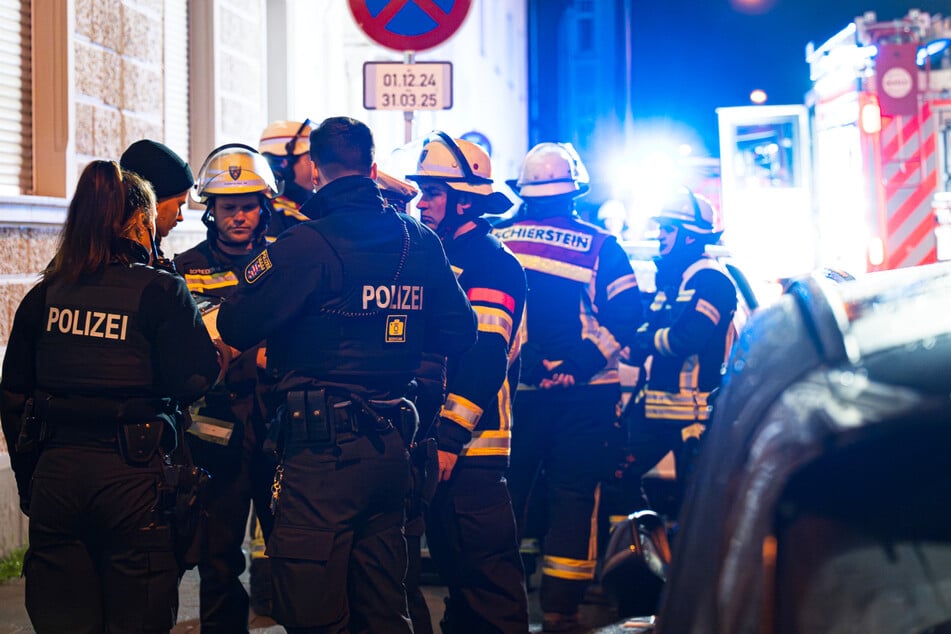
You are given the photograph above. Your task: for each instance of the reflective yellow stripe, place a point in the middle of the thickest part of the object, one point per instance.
(457, 270)
(659, 300)
(201, 283)
(686, 294)
(709, 310)
(492, 442)
(494, 320)
(601, 337)
(289, 208)
(565, 568)
(554, 267)
(662, 342)
(682, 406)
(621, 284)
(461, 411)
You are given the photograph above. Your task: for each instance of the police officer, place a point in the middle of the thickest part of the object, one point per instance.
(236, 186)
(286, 144)
(347, 302)
(470, 524)
(98, 351)
(582, 307)
(170, 176)
(687, 333)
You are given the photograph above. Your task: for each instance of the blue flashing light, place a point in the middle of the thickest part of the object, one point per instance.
(933, 47)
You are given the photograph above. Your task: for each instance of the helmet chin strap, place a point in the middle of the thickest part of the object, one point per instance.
(452, 220)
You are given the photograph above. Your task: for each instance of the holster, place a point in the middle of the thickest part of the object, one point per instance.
(183, 491)
(27, 452)
(424, 464)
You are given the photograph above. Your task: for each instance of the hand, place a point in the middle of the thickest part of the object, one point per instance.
(558, 379)
(447, 462)
(225, 355)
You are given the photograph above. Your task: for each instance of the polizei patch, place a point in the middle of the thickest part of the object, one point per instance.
(257, 267)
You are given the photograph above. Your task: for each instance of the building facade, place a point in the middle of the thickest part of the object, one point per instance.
(82, 79)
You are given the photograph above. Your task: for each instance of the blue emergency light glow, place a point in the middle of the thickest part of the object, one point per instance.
(933, 47)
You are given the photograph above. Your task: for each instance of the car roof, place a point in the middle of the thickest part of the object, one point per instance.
(826, 366)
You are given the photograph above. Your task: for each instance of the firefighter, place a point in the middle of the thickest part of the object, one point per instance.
(170, 176)
(286, 146)
(345, 340)
(582, 307)
(471, 528)
(687, 334)
(236, 186)
(99, 352)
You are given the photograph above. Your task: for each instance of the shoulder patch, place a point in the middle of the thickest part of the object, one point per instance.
(257, 267)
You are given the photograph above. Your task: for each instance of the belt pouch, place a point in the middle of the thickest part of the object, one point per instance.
(307, 418)
(138, 442)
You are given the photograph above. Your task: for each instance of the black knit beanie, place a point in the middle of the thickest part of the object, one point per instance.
(158, 164)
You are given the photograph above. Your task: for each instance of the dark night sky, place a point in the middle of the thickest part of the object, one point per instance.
(690, 60)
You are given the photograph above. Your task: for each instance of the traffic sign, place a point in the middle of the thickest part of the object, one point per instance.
(409, 25)
(396, 86)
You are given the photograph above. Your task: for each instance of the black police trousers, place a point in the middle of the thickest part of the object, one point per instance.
(571, 435)
(337, 551)
(101, 556)
(470, 529)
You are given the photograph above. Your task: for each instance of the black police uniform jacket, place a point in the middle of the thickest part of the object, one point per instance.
(352, 298)
(212, 273)
(476, 419)
(126, 332)
(583, 302)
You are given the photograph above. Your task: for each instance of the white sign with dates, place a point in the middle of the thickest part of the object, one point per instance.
(398, 86)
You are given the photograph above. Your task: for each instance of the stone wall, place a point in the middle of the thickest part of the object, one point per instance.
(119, 52)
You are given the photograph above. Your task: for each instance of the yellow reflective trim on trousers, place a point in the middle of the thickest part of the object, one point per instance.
(494, 320)
(555, 267)
(200, 283)
(708, 310)
(660, 298)
(462, 411)
(565, 568)
(621, 284)
(683, 406)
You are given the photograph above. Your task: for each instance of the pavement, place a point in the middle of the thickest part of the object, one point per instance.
(14, 619)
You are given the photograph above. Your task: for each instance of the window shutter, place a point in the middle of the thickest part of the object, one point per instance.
(16, 99)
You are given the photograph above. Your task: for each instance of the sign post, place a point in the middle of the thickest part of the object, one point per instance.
(409, 26)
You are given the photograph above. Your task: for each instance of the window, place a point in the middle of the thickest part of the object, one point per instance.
(16, 101)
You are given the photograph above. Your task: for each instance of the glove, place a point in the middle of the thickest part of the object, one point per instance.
(533, 370)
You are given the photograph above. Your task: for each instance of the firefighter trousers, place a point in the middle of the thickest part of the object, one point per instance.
(570, 435)
(471, 532)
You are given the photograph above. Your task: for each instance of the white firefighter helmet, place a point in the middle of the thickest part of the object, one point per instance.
(234, 168)
(394, 188)
(462, 166)
(552, 169)
(284, 138)
(691, 212)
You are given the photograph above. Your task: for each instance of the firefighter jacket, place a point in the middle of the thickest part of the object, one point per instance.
(211, 273)
(287, 209)
(127, 332)
(476, 419)
(583, 302)
(352, 298)
(688, 333)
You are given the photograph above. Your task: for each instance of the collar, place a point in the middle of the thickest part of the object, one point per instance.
(481, 228)
(347, 193)
(131, 252)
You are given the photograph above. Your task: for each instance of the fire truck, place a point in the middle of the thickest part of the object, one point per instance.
(861, 172)
(881, 104)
